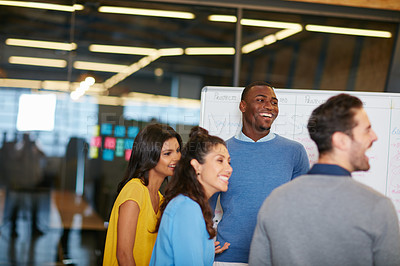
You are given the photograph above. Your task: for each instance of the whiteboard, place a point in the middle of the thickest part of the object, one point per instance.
(221, 116)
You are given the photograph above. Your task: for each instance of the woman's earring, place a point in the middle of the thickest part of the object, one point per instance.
(198, 173)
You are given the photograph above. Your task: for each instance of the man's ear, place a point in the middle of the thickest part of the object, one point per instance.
(340, 140)
(196, 165)
(242, 106)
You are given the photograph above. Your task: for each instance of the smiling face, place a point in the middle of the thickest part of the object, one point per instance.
(216, 170)
(361, 141)
(170, 155)
(259, 110)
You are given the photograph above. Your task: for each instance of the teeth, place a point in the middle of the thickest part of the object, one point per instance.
(266, 115)
(223, 178)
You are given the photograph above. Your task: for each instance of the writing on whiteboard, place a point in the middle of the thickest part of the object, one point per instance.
(219, 123)
(283, 100)
(396, 131)
(309, 100)
(226, 98)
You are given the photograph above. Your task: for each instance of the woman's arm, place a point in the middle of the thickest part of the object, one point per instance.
(188, 237)
(126, 232)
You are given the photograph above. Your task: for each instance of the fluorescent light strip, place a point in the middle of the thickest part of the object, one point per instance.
(21, 83)
(171, 51)
(42, 6)
(222, 18)
(210, 51)
(269, 24)
(283, 34)
(41, 44)
(255, 22)
(98, 66)
(146, 12)
(250, 47)
(36, 61)
(269, 39)
(134, 98)
(129, 70)
(297, 27)
(99, 48)
(349, 31)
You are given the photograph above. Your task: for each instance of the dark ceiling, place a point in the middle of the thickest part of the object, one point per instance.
(88, 26)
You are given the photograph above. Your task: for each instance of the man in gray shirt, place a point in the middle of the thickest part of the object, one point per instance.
(325, 217)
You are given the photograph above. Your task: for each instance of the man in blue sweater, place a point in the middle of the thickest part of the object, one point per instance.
(261, 161)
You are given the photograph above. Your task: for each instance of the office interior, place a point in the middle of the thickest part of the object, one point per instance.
(79, 79)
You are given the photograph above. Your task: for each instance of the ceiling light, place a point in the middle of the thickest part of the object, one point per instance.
(255, 22)
(146, 12)
(210, 51)
(84, 86)
(134, 98)
(68, 86)
(54, 85)
(42, 6)
(21, 83)
(36, 61)
(222, 18)
(283, 34)
(41, 44)
(98, 66)
(58, 85)
(158, 72)
(129, 70)
(170, 51)
(120, 49)
(250, 47)
(269, 24)
(349, 31)
(270, 39)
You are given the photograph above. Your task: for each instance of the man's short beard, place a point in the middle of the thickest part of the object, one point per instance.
(264, 129)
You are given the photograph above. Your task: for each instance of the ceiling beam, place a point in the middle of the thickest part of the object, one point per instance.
(299, 8)
(381, 4)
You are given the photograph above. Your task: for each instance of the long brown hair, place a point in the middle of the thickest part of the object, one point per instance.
(146, 152)
(184, 180)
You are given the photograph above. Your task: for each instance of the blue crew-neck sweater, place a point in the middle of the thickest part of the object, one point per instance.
(258, 168)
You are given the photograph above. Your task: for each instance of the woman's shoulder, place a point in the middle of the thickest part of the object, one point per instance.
(134, 185)
(182, 203)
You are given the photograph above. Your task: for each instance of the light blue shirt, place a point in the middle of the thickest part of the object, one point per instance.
(182, 237)
(241, 136)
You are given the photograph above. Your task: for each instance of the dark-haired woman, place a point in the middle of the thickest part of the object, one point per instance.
(185, 230)
(130, 235)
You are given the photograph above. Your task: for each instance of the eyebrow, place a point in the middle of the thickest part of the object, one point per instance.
(219, 154)
(264, 96)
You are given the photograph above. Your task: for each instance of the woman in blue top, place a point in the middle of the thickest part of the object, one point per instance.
(185, 229)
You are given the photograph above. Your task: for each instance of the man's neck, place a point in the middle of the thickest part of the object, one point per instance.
(329, 158)
(255, 135)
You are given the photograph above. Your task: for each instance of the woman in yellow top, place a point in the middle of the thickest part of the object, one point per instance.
(130, 235)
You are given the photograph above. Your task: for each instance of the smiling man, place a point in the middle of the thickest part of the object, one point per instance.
(261, 161)
(325, 217)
